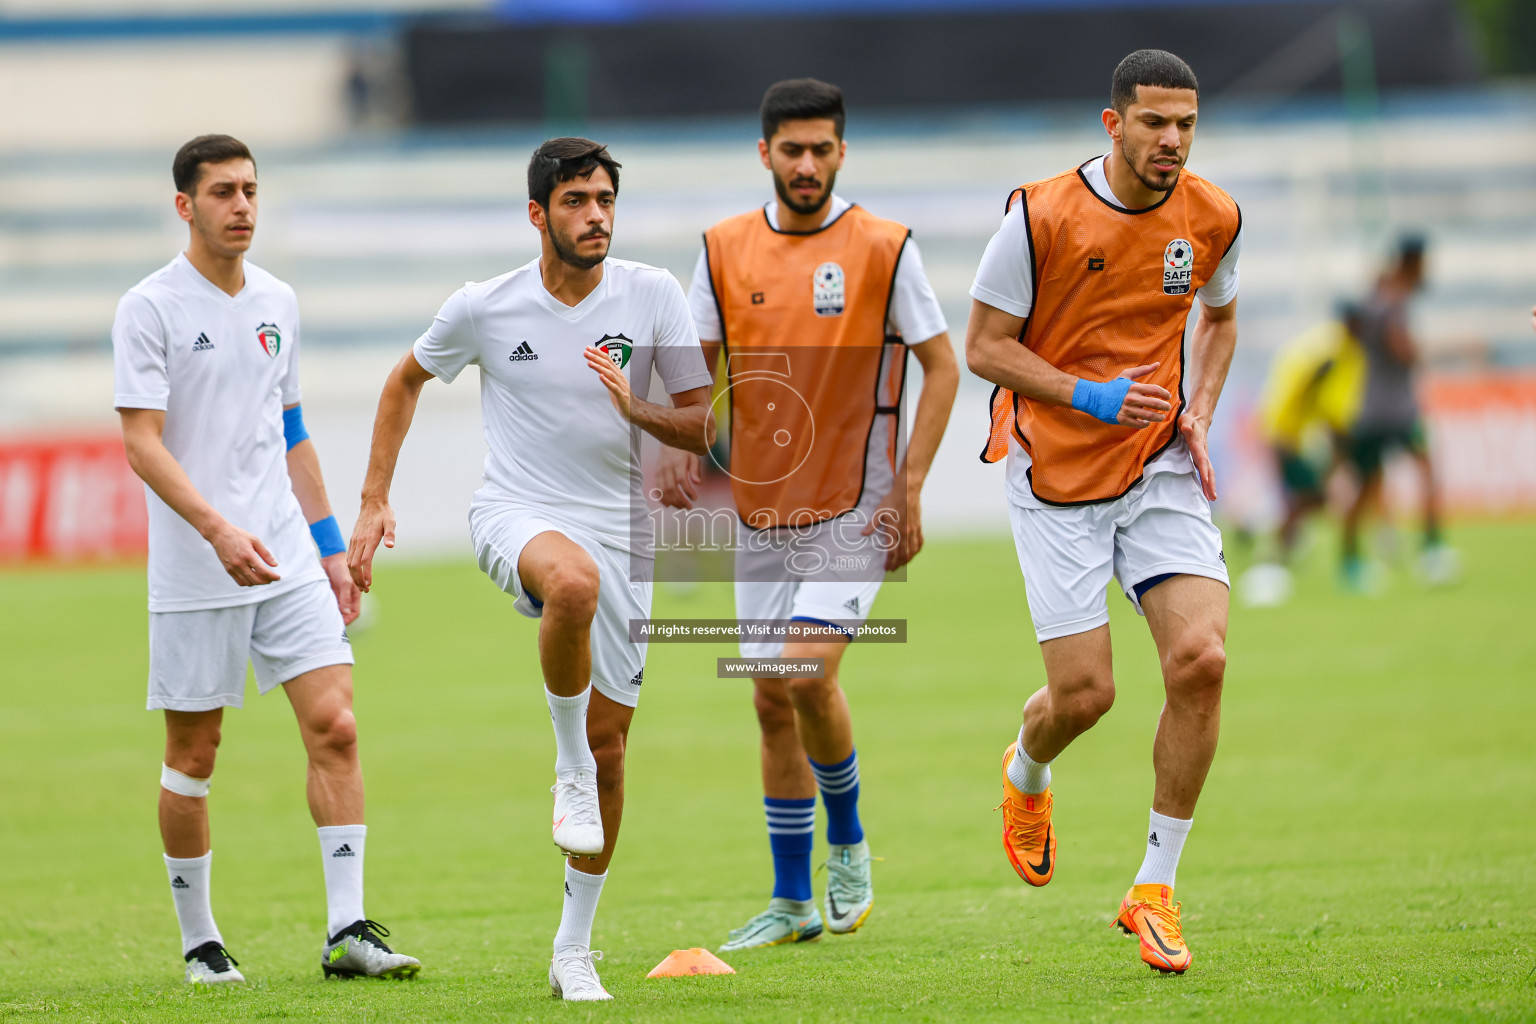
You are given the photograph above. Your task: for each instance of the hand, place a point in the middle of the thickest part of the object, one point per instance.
(906, 524)
(244, 557)
(1145, 404)
(678, 476)
(614, 380)
(1193, 428)
(375, 524)
(348, 601)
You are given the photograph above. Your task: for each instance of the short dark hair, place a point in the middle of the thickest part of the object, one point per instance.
(1149, 67)
(1411, 246)
(187, 168)
(565, 159)
(801, 99)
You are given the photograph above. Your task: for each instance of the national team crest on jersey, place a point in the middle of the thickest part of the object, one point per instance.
(618, 348)
(1178, 267)
(827, 290)
(271, 339)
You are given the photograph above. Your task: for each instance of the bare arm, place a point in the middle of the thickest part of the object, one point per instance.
(679, 473)
(688, 423)
(243, 556)
(375, 519)
(309, 488)
(1212, 343)
(941, 379)
(993, 353)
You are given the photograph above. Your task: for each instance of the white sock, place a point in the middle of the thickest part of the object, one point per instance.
(341, 854)
(581, 893)
(1165, 841)
(189, 891)
(1028, 775)
(570, 717)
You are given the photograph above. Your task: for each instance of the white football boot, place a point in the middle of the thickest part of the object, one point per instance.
(850, 891)
(573, 976)
(211, 964)
(358, 951)
(577, 826)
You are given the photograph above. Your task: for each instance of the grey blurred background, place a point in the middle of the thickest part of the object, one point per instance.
(392, 136)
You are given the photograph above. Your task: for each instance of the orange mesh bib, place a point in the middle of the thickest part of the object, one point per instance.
(810, 366)
(1113, 289)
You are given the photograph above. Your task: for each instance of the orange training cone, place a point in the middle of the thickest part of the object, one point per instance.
(682, 962)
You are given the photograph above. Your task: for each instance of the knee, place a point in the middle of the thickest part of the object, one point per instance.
(336, 733)
(774, 711)
(1086, 704)
(1195, 670)
(572, 590)
(811, 695)
(193, 754)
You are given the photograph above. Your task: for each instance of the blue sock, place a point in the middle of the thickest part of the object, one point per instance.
(839, 785)
(791, 830)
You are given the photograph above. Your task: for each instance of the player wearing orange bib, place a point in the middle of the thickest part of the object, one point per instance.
(815, 301)
(1080, 312)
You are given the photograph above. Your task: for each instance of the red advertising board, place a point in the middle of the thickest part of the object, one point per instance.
(67, 499)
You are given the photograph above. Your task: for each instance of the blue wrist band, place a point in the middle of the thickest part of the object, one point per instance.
(293, 426)
(1101, 400)
(327, 537)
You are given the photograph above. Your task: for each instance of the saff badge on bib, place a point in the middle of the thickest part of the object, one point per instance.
(828, 290)
(271, 339)
(618, 348)
(1178, 267)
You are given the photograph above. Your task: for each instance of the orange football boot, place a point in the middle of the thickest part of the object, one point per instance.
(1149, 913)
(1028, 838)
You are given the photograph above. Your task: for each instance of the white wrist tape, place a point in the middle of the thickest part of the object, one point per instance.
(185, 785)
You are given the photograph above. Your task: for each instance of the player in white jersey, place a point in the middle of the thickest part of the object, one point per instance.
(206, 364)
(565, 346)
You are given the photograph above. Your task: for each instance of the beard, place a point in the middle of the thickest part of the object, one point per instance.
(804, 209)
(566, 250)
(1157, 181)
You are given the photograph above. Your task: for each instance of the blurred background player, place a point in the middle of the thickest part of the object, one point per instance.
(1311, 395)
(1081, 302)
(206, 355)
(838, 294)
(1389, 418)
(558, 342)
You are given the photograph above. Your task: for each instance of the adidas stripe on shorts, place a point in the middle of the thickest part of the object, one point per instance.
(197, 658)
(500, 532)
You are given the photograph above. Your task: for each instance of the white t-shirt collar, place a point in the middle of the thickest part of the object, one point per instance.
(582, 308)
(208, 286)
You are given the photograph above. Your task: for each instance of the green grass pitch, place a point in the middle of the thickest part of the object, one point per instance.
(1363, 851)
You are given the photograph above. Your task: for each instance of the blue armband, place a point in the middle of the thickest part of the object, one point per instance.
(1101, 400)
(327, 537)
(293, 426)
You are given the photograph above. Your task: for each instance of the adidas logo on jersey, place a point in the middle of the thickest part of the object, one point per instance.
(523, 353)
(639, 678)
(202, 344)
(852, 604)
(344, 850)
(179, 883)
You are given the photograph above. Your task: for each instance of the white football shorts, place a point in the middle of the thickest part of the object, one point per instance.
(500, 532)
(197, 659)
(829, 573)
(1162, 526)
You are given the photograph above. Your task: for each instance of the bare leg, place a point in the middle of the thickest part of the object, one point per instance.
(1365, 498)
(822, 720)
(1431, 497)
(786, 773)
(558, 572)
(191, 745)
(1188, 619)
(1079, 689)
(608, 733)
(322, 702)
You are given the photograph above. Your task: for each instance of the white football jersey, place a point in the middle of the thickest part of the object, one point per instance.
(556, 442)
(221, 367)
